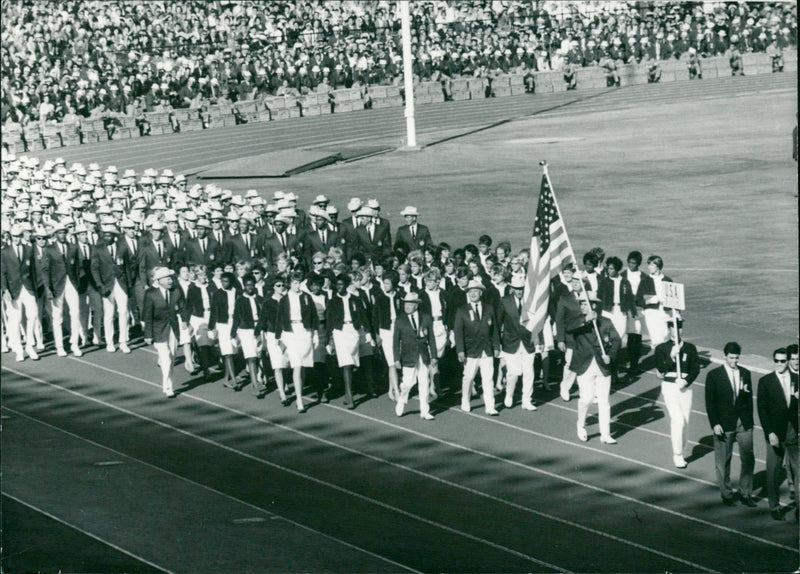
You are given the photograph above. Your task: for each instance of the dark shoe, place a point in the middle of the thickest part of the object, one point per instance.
(748, 501)
(777, 514)
(728, 501)
(286, 402)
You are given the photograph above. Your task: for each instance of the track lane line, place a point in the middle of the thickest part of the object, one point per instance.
(417, 472)
(299, 474)
(495, 457)
(86, 533)
(213, 490)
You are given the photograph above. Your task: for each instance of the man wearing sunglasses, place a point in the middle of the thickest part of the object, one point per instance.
(777, 410)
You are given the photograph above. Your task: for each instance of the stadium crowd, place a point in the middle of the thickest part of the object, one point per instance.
(260, 294)
(66, 60)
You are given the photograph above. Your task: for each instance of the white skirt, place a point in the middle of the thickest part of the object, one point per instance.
(227, 345)
(346, 343)
(249, 343)
(299, 347)
(277, 353)
(387, 344)
(200, 327)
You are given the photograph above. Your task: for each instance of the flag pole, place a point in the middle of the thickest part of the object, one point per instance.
(543, 163)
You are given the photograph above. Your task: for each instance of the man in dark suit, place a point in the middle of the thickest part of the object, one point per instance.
(518, 347)
(129, 253)
(202, 250)
(60, 281)
(88, 292)
(160, 313)
(173, 236)
(157, 252)
(414, 351)
(18, 285)
(477, 341)
(281, 241)
(322, 237)
(371, 239)
(777, 411)
(240, 247)
(729, 405)
(112, 282)
(347, 228)
(412, 235)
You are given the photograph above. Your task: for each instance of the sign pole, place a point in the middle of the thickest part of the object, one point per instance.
(408, 75)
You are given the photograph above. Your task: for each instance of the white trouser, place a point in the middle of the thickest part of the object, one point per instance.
(117, 299)
(568, 377)
(593, 383)
(679, 406)
(410, 377)
(519, 363)
(27, 302)
(486, 364)
(76, 331)
(166, 356)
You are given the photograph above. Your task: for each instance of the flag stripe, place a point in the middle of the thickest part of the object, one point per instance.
(549, 250)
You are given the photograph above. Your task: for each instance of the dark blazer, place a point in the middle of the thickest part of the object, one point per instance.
(587, 347)
(129, 258)
(605, 292)
(14, 273)
(269, 318)
(773, 412)
(194, 299)
(106, 270)
(219, 308)
(720, 405)
(148, 257)
(334, 314)
(381, 312)
(243, 314)
(177, 249)
(690, 361)
(58, 267)
(82, 268)
(308, 313)
(192, 253)
(404, 238)
(569, 317)
(234, 249)
(411, 345)
(39, 263)
(272, 247)
(313, 243)
(474, 337)
(512, 332)
(379, 246)
(159, 317)
(455, 299)
(647, 288)
(425, 304)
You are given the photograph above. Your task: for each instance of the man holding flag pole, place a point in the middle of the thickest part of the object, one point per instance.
(550, 248)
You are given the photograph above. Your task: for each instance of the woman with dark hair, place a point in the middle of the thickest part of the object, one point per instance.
(220, 321)
(247, 320)
(198, 301)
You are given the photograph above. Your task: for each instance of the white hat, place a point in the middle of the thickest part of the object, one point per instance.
(412, 297)
(320, 199)
(410, 210)
(162, 272)
(373, 204)
(475, 284)
(354, 204)
(517, 282)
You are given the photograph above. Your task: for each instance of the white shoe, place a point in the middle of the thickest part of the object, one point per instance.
(169, 394)
(607, 440)
(398, 408)
(77, 351)
(40, 347)
(124, 348)
(33, 354)
(61, 352)
(509, 402)
(427, 417)
(492, 412)
(679, 461)
(582, 435)
(529, 407)
(111, 348)
(565, 396)
(20, 357)
(465, 407)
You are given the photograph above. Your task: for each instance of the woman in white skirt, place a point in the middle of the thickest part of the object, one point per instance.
(183, 283)
(247, 321)
(297, 326)
(345, 317)
(276, 350)
(314, 284)
(220, 322)
(198, 301)
(655, 315)
(384, 314)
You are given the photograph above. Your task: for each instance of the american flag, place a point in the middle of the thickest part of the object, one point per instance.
(549, 249)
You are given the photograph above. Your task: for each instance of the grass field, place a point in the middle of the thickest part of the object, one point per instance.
(101, 474)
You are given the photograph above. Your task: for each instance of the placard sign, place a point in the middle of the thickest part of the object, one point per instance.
(673, 296)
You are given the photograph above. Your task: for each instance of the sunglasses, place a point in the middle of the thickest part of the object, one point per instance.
(780, 361)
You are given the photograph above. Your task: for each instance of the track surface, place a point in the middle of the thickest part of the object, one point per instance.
(123, 480)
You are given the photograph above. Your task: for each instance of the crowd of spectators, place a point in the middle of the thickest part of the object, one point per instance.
(66, 60)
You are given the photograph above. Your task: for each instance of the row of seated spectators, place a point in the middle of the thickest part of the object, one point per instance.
(76, 57)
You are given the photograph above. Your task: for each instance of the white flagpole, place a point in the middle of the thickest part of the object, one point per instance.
(408, 77)
(543, 163)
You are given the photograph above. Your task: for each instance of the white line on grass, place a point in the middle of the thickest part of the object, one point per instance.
(297, 473)
(213, 490)
(87, 533)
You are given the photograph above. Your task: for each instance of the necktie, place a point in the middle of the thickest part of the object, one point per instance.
(477, 312)
(175, 240)
(202, 246)
(63, 251)
(86, 252)
(112, 251)
(371, 232)
(167, 297)
(413, 323)
(322, 236)
(159, 249)
(413, 232)
(519, 306)
(19, 252)
(219, 237)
